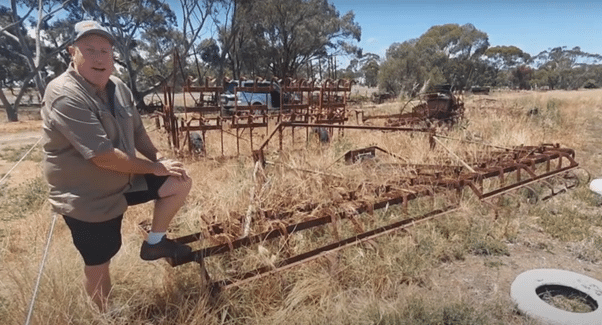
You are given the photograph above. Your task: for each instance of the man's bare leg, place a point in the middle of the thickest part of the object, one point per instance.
(97, 282)
(172, 195)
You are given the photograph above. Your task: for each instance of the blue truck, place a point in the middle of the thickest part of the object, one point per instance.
(240, 96)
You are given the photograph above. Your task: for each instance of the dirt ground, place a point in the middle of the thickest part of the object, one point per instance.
(19, 136)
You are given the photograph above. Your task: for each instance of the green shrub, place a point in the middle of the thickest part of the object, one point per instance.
(590, 84)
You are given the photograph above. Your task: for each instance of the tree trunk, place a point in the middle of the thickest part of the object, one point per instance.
(11, 114)
(11, 110)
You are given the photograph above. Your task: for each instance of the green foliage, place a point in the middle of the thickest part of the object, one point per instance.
(562, 68)
(370, 70)
(210, 52)
(507, 57)
(444, 54)
(274, 37)
(521, 77)
(24, 60)
(460, 55)
(145, 36)
(13, 67)
(590, 84)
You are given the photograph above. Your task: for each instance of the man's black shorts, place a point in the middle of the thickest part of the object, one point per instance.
(154, 183)
(98, 242)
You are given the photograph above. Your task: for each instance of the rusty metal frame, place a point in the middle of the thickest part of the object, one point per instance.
(285, 124)
(522, 163)
(437, 106)
(205, 113)
(319, 104)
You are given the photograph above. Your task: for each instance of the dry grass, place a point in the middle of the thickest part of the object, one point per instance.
(455, 270)
(25, 123)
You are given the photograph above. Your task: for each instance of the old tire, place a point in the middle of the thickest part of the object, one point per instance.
(596, 186)
(528, 286)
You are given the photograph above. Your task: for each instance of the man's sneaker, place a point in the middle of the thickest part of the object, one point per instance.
(164, 248)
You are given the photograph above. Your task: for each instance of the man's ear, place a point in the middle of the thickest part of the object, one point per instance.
(71, 50)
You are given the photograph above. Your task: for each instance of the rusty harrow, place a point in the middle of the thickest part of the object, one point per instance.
(439, 106)
(301, 101)
(425, 193)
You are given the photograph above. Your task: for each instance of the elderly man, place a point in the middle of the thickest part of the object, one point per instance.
(92, 131)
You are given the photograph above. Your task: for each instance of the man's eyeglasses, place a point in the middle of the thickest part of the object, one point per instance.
(92, 52)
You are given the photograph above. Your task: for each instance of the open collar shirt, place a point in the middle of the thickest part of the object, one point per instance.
(78, 125)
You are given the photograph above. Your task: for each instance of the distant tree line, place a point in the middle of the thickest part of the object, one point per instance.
(269, 38)
(461, 56)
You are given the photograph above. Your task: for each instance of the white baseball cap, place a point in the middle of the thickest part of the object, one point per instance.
(91, 27)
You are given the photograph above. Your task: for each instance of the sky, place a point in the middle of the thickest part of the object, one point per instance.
(531, 25)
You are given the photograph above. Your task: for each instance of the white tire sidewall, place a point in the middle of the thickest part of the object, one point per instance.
(596, 186)
(524, 295)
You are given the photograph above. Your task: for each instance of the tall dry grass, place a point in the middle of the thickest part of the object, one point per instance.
(454, 270)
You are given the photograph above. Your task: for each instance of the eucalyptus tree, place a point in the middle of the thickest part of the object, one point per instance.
(296, 32)
(511, 65)
(403, 68)
(196, 15)
(564, 68)
(507, 57)
(281, 37)
(448, 53)
(459, 50)
(370, 68)
(25, 58)
(232, 26)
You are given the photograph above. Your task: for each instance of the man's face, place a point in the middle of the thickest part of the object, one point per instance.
(92, 56)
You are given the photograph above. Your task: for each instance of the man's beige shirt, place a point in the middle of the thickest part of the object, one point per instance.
(78, 126)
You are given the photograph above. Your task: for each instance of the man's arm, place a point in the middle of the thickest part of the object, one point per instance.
(142, 141)
(145, 146)
(119, 161)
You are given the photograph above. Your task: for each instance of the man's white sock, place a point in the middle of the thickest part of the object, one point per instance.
(154, 237)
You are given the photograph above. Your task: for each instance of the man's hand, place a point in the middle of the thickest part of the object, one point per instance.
(169, 167)
(119, 161)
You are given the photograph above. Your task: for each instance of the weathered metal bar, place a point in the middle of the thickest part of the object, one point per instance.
(526, 182)
(355, 127)
(316, 253)
(463, 181)
(277, 232)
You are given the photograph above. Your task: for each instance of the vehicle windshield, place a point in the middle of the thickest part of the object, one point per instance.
(230, 86)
